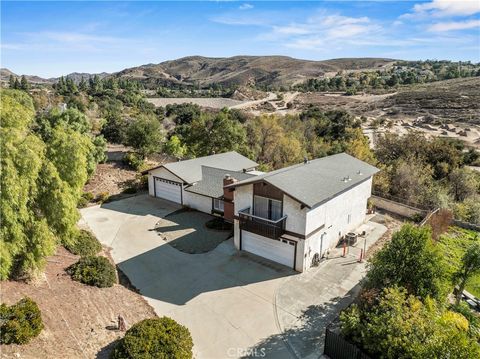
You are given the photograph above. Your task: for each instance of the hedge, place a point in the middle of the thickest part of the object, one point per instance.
(95, 271)
(155, 338)
(20, 322)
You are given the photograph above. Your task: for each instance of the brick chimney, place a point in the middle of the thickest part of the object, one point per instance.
(228, 195)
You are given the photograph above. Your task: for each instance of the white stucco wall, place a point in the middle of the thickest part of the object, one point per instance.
(334, 215)
(295, 215)
(243, 197)
(236, 234)
(198, 202)
(161, 173)
(151, 188)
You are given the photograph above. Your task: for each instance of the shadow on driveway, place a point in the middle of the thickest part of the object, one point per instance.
(308, 336)
(187, 232)
(168, 275)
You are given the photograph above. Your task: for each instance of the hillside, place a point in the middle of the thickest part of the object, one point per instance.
(243, 70)
(237, 70)
(456, 100)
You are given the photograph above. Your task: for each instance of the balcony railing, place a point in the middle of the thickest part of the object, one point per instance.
(262, 226)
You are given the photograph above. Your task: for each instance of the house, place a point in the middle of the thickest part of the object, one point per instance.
(198, 183)
(291, 216)
(295, 214)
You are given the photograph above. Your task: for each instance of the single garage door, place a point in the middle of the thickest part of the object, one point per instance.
(169, 190)
(280, 251)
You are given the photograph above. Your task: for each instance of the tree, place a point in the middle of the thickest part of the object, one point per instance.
(409, 260)
(11, 82)
(398, 325)
(463, 183)
(42, 177)
(144, 135)
(175, 147)
(25, 235)
(210, 134)
(470, 266)
(24, 85)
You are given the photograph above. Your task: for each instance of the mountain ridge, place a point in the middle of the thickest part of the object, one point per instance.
(236, 70)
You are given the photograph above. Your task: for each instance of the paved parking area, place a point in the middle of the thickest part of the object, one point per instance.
(235, 305)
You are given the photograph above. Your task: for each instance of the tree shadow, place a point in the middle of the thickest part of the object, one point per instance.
(105, 352)
(306, 338)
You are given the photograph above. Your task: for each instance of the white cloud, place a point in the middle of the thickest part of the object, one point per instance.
(441, 8)
(322, 29)
(245, 6)
(455, 25)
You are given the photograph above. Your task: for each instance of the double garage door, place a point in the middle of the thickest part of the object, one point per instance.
(280, 251)
(168, 190)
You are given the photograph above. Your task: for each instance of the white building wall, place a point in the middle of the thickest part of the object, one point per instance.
(236, 234)
(164, 173)
(161, 173)
(151, 187)
(243, 197)
(198, 202)
(296, 220)
(334, 214)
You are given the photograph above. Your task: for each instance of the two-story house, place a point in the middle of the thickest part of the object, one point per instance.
(294, 213)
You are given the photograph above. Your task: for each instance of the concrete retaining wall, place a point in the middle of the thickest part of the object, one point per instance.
(396, 207)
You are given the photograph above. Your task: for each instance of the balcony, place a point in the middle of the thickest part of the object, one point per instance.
(261, 226)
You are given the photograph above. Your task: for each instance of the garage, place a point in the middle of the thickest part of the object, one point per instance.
(281, 251)
(168, 190)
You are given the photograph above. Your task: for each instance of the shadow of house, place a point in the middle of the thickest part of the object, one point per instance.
(169, 275)
(145, 206)
(307, 337)
(166, 274)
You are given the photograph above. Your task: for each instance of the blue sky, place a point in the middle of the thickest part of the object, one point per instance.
(55, 38)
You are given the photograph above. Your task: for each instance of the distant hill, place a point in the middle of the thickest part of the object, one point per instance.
(6, 73)
(236, 71)
(244, 70)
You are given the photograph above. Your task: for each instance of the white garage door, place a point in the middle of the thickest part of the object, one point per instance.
(281, 251)
(169, 190)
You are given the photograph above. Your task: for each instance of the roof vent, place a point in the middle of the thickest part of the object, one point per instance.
(305, 160)
(359, 173)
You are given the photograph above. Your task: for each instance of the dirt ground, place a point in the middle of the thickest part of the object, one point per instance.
(111, 177)
(79, 320)
(393, 224)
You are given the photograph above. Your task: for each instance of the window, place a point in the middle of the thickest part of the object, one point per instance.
(218, 204)
(267, 208)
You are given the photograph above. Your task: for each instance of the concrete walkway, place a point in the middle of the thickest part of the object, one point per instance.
(315, 298)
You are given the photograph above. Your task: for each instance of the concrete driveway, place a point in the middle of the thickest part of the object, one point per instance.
(235, 305)
(227, 300)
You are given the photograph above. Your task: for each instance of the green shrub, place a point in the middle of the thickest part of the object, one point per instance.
(82, 202)
(133, 160)
(155, 338)
(130, 190)
(102, 197)
(86, 198)
(219, 224)
(95, 271)
(85, 244)
(20, 322)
